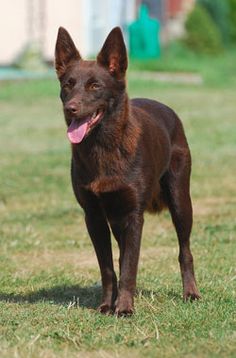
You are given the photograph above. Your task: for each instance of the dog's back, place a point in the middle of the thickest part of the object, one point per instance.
(164, 116)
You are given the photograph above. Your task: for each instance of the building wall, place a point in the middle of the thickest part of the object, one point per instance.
(71, 14)
(13, 29)
(88, 21)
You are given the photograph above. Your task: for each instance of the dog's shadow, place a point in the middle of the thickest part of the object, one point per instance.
(66, 295)
(71, 295)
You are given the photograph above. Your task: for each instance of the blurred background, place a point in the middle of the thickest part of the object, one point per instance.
(153, 29)
(37, 21)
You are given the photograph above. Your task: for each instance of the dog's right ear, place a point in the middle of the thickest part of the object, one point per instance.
(65, 51)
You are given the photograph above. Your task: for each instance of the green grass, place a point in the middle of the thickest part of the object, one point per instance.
(215, 70)
(49, 278)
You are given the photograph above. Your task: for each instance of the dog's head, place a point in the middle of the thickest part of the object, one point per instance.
(90, 90)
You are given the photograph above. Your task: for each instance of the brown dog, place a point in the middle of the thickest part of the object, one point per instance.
(128, 156)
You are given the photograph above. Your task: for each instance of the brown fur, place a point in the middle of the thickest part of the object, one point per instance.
(135, 159)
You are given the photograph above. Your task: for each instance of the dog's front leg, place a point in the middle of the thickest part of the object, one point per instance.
(100, 234)
(129, 241)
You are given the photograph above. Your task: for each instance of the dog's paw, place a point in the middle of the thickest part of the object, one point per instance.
(191, 295)
(124, 307)
(105, 308)
(190, 292)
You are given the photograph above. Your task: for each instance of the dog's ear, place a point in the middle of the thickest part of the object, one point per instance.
(65, 51)
(113, 54)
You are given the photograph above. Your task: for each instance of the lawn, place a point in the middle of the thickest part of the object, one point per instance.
(49, 277)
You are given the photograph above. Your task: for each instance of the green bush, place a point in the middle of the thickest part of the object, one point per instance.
(219, 12)
(232, 20)
(202, 34)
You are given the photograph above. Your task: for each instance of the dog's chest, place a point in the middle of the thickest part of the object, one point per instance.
(105, 171)
(116, 196)
(103, 184)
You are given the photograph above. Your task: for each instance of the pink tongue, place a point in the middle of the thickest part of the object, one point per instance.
(76, 131)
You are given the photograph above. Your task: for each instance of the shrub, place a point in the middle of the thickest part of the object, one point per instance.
(219, 12)
(232, 20)
(202, 34)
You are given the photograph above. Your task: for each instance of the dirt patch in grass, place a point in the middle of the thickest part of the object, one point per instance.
(32, 262)
(211, 205)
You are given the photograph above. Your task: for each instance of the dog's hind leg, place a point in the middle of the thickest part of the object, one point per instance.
(175, 185)
(117, 232)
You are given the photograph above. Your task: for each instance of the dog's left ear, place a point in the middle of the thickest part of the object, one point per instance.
(113, 54)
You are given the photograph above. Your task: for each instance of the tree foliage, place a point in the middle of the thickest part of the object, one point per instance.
(202, 34)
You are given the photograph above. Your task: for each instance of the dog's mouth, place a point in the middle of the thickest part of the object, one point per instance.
(80, 127)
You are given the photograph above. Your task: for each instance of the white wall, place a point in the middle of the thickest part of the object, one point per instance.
(13, 29)
(71, 14)
(88, 22)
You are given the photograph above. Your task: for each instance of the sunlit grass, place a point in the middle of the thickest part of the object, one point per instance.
(50, 282)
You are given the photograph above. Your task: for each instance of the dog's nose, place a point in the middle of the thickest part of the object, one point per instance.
(71, 108)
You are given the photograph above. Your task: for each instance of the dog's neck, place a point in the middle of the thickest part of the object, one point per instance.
(113, 144)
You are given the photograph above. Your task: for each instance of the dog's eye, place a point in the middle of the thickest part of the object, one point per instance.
(94, 86)
(69, 84)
